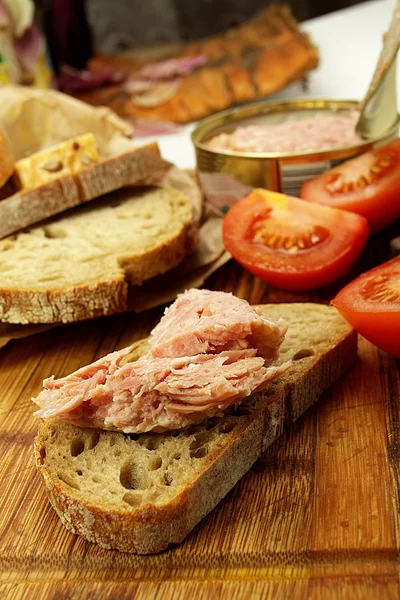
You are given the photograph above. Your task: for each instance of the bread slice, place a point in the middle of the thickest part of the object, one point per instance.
(44, 197)
(6, 160)
(140, 493)
(79, 265)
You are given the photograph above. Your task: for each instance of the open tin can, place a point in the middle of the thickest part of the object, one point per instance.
(235, 172)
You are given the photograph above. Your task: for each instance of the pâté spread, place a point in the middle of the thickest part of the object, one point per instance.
(318, 132)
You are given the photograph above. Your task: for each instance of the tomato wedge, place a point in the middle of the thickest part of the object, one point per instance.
(371, 304)
(368, 185)
(290, 243)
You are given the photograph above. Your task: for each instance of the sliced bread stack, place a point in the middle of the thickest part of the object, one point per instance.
(66, 175)
(63, 258)
(79, 265)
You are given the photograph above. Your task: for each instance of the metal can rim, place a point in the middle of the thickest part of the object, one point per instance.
(230, 116)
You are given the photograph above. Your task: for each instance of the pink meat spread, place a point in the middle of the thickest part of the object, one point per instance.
(209, 351)
(320, 132)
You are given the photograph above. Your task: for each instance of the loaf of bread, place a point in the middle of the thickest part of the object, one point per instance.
(6, 160)
(71, 174)
(79, 265)
(140, 493)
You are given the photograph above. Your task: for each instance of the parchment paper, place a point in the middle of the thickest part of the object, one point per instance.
(36, 119)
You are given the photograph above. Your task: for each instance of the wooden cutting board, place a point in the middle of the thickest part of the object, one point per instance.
(251, 61)
(316, 517)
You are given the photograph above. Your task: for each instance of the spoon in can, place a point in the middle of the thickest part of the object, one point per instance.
(378, 113)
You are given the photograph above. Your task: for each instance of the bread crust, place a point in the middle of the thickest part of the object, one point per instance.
(6, 160)
(65, 305)
(238, 442)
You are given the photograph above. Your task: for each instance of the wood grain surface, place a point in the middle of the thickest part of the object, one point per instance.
(316, 517)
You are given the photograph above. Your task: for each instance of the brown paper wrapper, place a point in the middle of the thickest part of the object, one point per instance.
(36, 119)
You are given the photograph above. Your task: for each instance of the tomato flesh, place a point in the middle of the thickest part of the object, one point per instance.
(368, 185)
(371, 304)
(290, 243)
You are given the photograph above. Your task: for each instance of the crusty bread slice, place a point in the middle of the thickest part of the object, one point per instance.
(6, 160)
(29, 206)
(79, 265)
(139, 493)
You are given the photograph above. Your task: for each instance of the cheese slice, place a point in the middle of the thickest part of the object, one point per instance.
(67, 158)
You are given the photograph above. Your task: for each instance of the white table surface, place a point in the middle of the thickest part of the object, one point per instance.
(349, 43)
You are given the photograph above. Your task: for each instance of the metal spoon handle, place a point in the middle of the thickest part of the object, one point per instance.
(378, 115)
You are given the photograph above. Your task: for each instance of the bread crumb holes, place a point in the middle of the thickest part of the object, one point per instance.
(199, 452)
(68, 480)
(199, 440)
(77, 446)
(168, 479)
(128, 477)
(94, 439)
(227, 427)
(42, 455)
(155, 463)
(132, 499)
(151, 443)
(303, 353)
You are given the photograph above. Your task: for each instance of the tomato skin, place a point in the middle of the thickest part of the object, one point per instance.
(369, 313)
(378, 201)
(344, 238)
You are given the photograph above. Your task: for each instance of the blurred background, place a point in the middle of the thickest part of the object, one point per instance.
(51, 42)
(117, 25)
